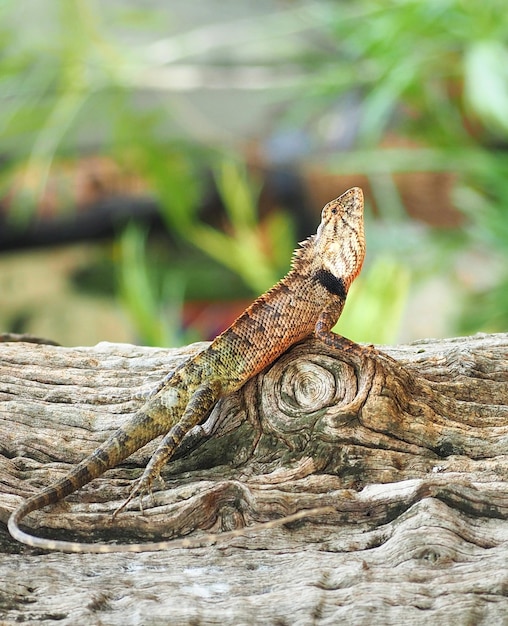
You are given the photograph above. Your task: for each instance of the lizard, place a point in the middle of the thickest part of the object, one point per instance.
(307, 301)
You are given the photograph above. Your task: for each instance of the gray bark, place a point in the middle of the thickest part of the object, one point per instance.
(408, 445)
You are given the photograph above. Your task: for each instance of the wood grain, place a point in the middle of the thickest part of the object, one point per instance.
(407, 444)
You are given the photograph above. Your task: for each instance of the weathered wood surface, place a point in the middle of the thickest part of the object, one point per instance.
(411, 453)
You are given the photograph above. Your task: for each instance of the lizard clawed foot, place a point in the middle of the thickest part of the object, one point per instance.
(140, 487)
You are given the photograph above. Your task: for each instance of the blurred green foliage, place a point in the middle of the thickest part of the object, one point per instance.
(154, 300)
(258, 252)
(74, 75)
(434, 72)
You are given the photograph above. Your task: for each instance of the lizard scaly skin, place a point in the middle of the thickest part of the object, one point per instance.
(308, 300)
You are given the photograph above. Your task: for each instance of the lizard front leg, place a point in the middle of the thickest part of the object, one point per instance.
(200, 403)
(323, 331)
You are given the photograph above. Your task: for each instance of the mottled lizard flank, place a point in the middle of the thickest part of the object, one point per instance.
(308, 300)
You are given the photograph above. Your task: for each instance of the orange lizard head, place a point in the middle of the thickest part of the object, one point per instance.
(340, 238)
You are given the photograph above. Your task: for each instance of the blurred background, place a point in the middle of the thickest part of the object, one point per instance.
(159, 161)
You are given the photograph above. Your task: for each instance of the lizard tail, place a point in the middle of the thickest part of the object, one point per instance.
(115, 449)
(157, 546)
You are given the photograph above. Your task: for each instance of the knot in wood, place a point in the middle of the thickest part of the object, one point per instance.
(303, 386)
(306, 386)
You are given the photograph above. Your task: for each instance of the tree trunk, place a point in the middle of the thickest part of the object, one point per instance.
(408, 446)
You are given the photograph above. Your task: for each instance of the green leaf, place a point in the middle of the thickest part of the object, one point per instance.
(486, 83)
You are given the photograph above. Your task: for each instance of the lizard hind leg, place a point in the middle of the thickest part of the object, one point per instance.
(200, 403)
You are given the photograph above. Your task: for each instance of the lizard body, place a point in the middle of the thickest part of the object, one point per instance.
(309, 299)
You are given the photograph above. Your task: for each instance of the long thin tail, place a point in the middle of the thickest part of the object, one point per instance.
(115, 449)
(184, 542)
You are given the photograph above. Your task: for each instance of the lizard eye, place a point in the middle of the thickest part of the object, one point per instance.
(334, 211)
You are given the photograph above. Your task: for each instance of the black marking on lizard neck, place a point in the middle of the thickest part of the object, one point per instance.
(331, 283)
